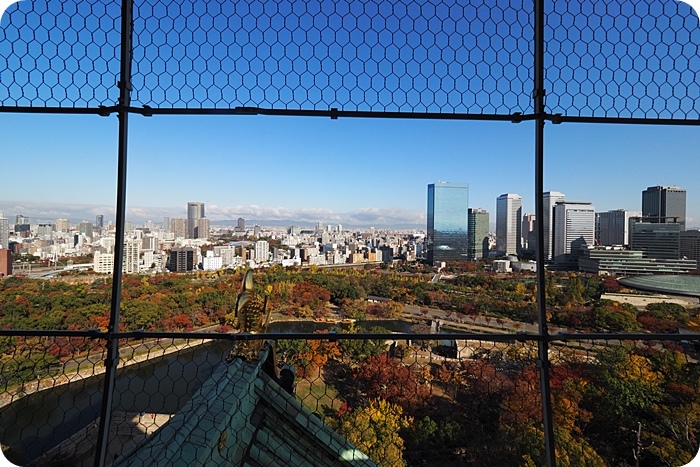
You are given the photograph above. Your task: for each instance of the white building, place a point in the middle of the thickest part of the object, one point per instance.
(508, 223)
(211, 262)
(574, 227)
(262, 251)
(103, 263)
(4, 231)
(132, 253)
(550, 199)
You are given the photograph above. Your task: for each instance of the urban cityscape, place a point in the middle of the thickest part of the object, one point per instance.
(576, 237)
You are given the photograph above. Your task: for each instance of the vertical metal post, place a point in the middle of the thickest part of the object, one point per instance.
(112, 358)
(543, 344)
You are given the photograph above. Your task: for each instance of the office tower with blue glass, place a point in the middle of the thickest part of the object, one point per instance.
(448, 205)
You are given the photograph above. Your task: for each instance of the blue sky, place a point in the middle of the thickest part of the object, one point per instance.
(353, 171)
(614, 58)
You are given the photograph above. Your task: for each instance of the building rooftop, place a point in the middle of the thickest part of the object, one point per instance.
(671, 284)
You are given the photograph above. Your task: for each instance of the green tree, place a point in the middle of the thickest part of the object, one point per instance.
(374, 430)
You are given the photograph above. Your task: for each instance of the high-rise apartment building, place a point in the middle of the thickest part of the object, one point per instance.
(21, 220)
(656, 240)
(62, 225)
(132, 250)
(509, 209)
(612, 227)
(664, 204)
(182, 259)
(195, 211)
(574, 228)
(262, 251)
(448, 205)
(166, 223)
(477, 234)
(179, 227)
(550, 199)
(4, 231)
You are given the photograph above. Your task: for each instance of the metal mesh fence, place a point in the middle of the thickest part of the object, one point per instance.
(622, 59)
(613, 402)
(393, 400)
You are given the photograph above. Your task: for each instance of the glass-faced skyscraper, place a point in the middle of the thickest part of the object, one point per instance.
(508, 223)
(664, 205)
(447, 221)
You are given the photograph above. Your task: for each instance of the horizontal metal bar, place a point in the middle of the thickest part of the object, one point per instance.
(623, 120)
(329, 113)
(496, 337)
(101, 111)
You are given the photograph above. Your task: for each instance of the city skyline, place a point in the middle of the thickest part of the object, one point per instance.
(266, 168)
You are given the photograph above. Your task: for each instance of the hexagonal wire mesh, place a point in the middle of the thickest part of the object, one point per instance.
(620, 59)
(397, 56)
(58, 54)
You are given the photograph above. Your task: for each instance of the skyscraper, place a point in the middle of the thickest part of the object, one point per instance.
(478, 234)
(178, 225)
(574, 227)
(447, 221)
(4, 231)
(550, 199)
(612, 227)
(664, 205)
(508, 223)
(195, 211)
(99, 221)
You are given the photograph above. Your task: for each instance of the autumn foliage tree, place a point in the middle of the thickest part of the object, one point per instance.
(389, 379)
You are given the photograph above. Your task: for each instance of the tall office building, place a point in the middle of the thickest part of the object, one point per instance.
(477, 234)
(99, 221)
(240, 225)
(656, 240)
(508, 223)
(574, 227)
(690, 245)
(4, 231)
(664, 205)
(178, 226)
(166, 223)
(448, 205)
(195, 211)
(550, 199)
(612, 227)
(21, 220)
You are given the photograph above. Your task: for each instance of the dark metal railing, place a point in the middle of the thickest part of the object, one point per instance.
(507, 61)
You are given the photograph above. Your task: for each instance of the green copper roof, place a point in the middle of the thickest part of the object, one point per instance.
(671, 284)
(242, 417)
